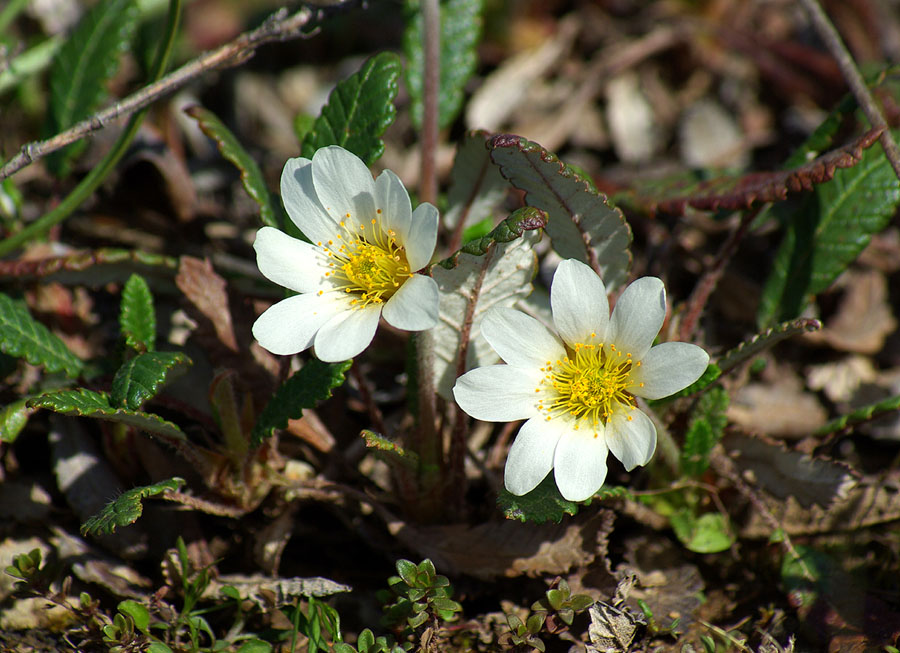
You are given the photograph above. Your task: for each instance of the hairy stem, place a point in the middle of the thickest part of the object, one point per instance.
(431, 46)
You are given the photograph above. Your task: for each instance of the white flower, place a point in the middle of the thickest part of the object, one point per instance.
(367, 244)
(577, 387)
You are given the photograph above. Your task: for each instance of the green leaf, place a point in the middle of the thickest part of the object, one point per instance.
(708, 422)
(137, 611)
(390, 451)
(768, 338)
(229, 147)
(582, 224)
(24, 337)
(407, 571)
(87, 403)
(359, 110)
(311, 384)
(83, 65)
(705, 534)
(827, 232)
(461, 25)
(127, 507)
(158, 647)
(476, 185)
(137, 319)
(141, 377)
(492, 271)
(543, 503)
(858, 416)
(13, 418)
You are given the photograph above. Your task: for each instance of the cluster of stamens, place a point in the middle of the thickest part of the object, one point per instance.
(589, 384)
(370, 263)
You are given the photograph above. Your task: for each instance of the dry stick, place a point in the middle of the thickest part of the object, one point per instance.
(278, 27)
(365, 392)
(707, 284)
(835, 45)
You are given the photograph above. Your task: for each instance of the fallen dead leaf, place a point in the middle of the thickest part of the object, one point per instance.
(777, 406)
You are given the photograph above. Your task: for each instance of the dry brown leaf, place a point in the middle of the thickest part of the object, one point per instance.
(508, 548)
(777, 406)
(783, 473)
(266, 591)
(206, 291)
(864, 318)
(841, 379)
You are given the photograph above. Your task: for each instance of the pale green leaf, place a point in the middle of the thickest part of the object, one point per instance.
(13, 418)
(24, 337)
(707, 533)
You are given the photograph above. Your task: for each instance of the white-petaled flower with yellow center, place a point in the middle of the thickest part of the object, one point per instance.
(366, 246)
(576, 387)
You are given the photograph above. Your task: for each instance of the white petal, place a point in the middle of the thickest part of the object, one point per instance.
(290, 325)
(579, 464)
(347, 334)
(344, 186)
(415, 306)
(393, 200)
(299, 198)
(498, 393)
(579, 303)
(290, 262)
(422, 236)
(668, 368)
(638, 316)
(530, 458)
(632, 442)
(519, 338)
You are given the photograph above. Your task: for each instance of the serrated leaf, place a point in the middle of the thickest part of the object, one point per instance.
(127, 507)
(359, 110)
(141, 377)
(707, 533)
(543, 503)
(87, 403)
(461, 25)
(24, 337)
(83, 65)
(476, 185)
(229, 147)
(493, 271)
(307, 387)
(582, 224)
(707, 424)
(827, 232)
(13, 418)
(137, 318)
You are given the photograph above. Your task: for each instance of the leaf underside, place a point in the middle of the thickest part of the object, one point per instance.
(359, 110)
(126, 508)
(24, 337)
(476, 185)
(582, 225)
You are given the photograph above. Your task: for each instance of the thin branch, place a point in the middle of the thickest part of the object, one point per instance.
(278, 27)
(851, 74)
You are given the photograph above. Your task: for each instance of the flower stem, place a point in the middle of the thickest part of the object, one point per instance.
(431, 46)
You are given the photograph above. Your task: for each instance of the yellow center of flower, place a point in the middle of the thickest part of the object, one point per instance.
(370, 264)
(589, 384)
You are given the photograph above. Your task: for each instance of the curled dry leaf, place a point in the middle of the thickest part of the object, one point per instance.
(783, 473)
(508, 548)
(265, 591)
(206, 291)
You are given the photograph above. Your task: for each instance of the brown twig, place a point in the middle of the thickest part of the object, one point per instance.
(431, 34)
(708, 282)
(278, 27)
(835, 45)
